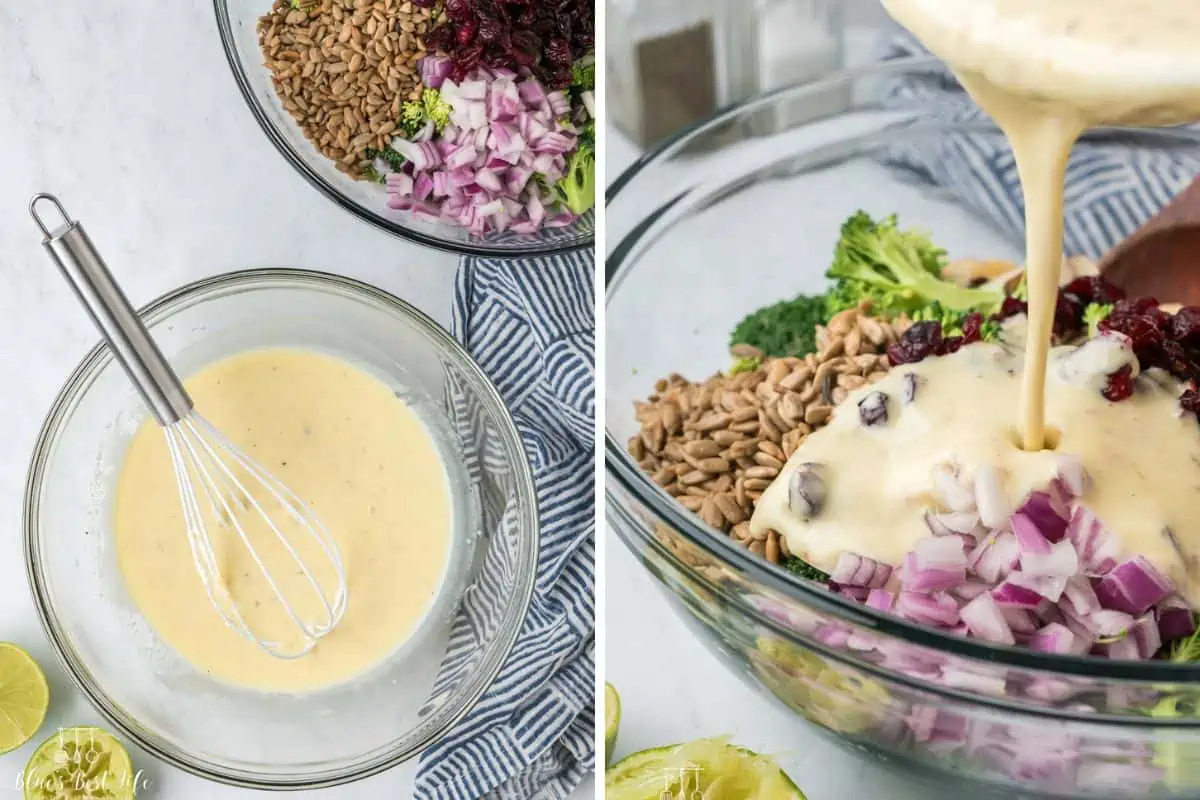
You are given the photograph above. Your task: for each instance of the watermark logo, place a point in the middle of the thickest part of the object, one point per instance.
(81, 766)
(682, 784)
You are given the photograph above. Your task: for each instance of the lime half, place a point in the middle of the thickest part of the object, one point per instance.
(79, 763)
(709, 768)
(24, 697)
(612, 720)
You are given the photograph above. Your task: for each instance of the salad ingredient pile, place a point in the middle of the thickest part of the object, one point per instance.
(475, 115)
(961, 552)
(716, 445)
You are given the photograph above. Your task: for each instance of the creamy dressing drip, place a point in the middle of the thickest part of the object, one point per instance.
(1046, 71)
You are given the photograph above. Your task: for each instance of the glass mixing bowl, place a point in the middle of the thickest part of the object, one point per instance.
(237, 21)
(735, 214)
(252, 738)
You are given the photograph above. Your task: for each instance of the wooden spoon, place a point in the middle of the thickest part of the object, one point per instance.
(1162, 258)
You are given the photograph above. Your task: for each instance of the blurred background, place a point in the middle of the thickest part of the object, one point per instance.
(674, 62)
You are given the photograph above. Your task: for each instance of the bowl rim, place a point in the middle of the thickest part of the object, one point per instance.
(621, 471)
(99, 356)
(466, 248)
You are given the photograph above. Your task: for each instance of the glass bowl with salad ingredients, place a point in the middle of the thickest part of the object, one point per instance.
(465, 126)
(824, 328)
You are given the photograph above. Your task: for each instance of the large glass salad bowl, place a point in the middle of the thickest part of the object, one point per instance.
(741, 212)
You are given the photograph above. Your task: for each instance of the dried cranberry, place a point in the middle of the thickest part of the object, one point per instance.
(1120, 385)
(1190, 401)
(1068, 314)
(1144, 331)
(972, 327)
(1184, 327)
(951, 344)
(1094, 289)
(920, 341)
(544, 36)
(1011, 307)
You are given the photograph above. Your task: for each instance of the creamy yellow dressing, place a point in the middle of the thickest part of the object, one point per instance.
(357, 455)
(1046, 71)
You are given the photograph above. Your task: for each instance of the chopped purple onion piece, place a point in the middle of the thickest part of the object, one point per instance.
(1133, 587)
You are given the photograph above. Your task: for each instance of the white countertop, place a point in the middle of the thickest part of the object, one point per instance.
(128, 111)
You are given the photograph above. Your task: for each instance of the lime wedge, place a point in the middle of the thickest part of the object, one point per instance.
(612, 720)
(709, 768)
(24, 697)
(79, 763)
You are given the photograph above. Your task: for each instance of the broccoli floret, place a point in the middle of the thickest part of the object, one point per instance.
(577, 189)
(1094, 314)
(373, 175)
(747, 364)
(430, 108)
(952, 321)
(436, 109)
(803, 569)
(412, 118)
(899, 271)
(784, 329)
(583, 74)
(393, 159)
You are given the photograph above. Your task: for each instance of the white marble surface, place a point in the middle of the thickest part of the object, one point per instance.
(128, 111)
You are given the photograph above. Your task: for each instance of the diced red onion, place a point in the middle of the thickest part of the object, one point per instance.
(559, 105)
(993, 506)
(1096, 546)
(1060, 562)
(984, 618)
(1109, 624)
(995, 557)
(1029, 537)
(1072, 477)
(937, 563)
(881, 599)
(856, 593)
(1144, 633)
(856, 570)
(532, 92)
(953, 522)
(953, 494)
(1054, 638)
(1020, 620)
(1047, 516)
(928, 609)
(970, 589)
(1080, 597)
(1018, 588)
(1175, 619)
(1133, 587)
(435, 70)
(1124, 649)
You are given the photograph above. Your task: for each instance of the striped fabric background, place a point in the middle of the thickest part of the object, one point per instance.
(531, 327)
(1112, 187)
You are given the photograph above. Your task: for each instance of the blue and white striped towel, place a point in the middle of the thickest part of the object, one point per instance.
(1112, 187)
(531, 326)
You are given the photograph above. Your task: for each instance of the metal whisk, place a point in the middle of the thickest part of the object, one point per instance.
(209, 469)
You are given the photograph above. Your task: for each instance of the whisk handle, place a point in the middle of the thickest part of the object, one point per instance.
(72, 250)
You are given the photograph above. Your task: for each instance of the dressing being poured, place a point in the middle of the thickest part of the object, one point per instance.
(1046, 72)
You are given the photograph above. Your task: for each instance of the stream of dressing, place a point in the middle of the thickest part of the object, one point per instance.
(1046, 71)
